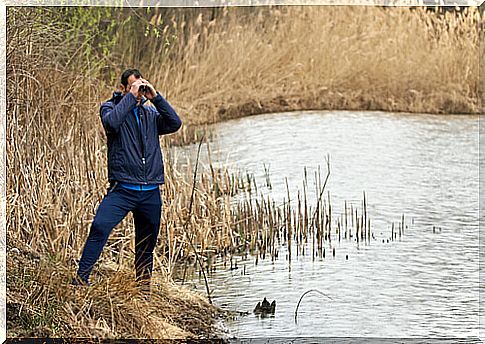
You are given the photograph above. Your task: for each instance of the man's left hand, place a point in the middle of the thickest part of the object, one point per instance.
(152, 94)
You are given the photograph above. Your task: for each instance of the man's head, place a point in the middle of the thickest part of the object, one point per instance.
(128, 77)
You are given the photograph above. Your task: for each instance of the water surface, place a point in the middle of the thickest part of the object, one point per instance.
(422, 166)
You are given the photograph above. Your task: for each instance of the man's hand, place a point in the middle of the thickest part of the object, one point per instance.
(152, 93)
(135, 88)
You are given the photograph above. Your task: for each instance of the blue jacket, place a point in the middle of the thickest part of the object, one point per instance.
(134, 154)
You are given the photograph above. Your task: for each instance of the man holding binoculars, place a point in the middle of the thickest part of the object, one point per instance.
(135, 171)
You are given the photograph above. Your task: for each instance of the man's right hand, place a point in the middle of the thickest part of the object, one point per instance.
(135, 87)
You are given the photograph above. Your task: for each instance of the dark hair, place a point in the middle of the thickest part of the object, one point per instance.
(126, 74)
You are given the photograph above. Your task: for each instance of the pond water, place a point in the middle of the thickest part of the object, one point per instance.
(422, 166)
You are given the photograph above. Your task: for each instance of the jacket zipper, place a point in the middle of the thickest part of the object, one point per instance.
(143, 160)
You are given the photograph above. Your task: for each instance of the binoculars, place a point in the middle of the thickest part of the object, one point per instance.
(144, 88)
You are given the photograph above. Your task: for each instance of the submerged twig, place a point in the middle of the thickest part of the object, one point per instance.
(301, 298)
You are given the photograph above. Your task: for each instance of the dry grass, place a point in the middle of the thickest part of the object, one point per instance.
(324, 58)
(41, 303)
(283, 58)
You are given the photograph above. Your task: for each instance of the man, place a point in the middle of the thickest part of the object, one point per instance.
(135, 171)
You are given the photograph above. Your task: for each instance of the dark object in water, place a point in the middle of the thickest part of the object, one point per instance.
(265, 308)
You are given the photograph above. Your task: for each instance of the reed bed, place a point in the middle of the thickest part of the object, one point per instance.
(256, 225)
(243, 61)
(223, 64)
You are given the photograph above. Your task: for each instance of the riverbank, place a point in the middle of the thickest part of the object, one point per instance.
(324, 99)
(333, 100)
(41, 303)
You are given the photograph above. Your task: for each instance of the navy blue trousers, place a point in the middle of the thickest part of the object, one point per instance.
(146, 207)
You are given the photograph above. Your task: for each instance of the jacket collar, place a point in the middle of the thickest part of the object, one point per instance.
(117, 96)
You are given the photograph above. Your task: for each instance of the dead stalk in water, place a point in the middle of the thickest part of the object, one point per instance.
(189, 215)
(301, 298)
(321, 191)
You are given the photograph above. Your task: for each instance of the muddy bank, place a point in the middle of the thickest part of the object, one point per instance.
(412, 102)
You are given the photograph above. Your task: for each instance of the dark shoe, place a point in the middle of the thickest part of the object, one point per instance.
(78, 281)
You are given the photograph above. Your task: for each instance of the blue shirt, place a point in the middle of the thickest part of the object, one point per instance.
(138, 187)
(135, 110)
